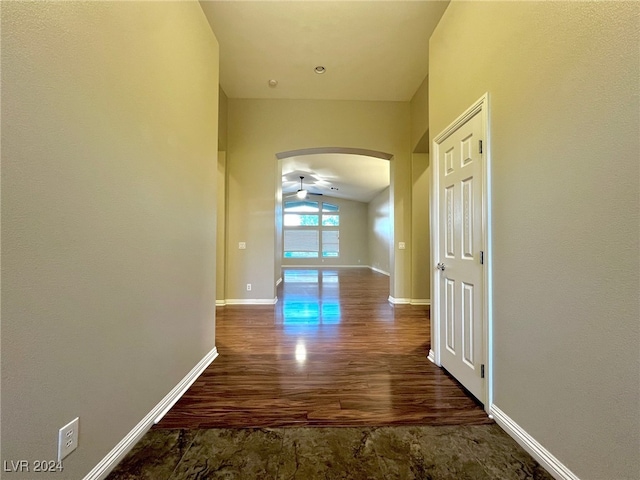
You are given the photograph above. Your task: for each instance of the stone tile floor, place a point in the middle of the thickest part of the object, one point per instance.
(420, 452)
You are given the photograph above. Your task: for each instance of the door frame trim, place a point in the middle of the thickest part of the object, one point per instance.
(480, 106)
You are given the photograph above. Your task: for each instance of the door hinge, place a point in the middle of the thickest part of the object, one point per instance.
(480, 144)
(481, 257)
(482, 371)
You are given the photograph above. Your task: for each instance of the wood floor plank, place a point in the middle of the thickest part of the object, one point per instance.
(332, 352)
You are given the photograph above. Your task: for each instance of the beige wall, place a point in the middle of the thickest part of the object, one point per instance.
(109, 121)
(379, 231)
(258, 129)
(353, 236)
(420, 232)
(563, 82)
(221, 207)
(420, 118)
(221, 227)
(223, 110)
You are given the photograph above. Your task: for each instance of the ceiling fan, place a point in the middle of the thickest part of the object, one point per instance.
(302, 192)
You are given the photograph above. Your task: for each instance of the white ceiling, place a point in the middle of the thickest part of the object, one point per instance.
(354, 177)
(372, 50)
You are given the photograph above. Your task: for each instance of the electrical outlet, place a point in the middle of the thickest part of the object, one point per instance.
(401, 245)
(68, 438)
(248, 287)
(242, 245)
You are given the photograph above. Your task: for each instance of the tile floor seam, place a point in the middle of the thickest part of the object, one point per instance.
(481, 461)
(507, 455)
(185, 452)
(375, 454)
(280, 453)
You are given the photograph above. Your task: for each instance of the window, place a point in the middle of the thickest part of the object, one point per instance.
(311, 229)
(301, 243)
(300, 220)
(330, 243)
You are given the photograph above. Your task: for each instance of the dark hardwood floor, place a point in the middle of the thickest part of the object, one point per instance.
(331, 352)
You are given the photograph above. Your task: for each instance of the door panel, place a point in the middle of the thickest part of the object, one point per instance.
(467, 219)
(450, 228)
(450, 314)
(467, 323)
(460, 243)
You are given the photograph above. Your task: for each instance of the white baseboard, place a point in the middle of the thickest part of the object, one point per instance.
(375, 269)
(409, 301)
(324, 265)
(432, 356)
(108, 463)
(420, 301)
(251, 301)
(220, 303)
(531, 445)
(399, 301)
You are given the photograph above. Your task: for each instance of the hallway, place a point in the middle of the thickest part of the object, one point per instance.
(136, 165)
(332, 352)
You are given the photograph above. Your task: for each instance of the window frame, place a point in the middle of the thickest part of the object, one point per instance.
(321, 212)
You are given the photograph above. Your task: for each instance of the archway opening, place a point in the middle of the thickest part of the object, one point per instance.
(344, 219)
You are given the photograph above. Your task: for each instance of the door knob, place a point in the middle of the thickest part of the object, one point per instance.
(440, 267)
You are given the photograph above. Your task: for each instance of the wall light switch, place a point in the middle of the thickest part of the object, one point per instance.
(401, 245)
(242, 245)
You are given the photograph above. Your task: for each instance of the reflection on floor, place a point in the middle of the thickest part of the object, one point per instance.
(446, 453)
(310, 297)
(332, 352)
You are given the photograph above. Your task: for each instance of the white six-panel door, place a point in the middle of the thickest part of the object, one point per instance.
(460, 245)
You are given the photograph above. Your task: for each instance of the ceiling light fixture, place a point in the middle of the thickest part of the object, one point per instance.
(273, 83)
(302, 193)
(319, 69)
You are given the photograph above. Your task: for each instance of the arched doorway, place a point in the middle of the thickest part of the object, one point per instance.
(349, 204)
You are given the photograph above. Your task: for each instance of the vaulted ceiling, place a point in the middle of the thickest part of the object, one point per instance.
(349, 176)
